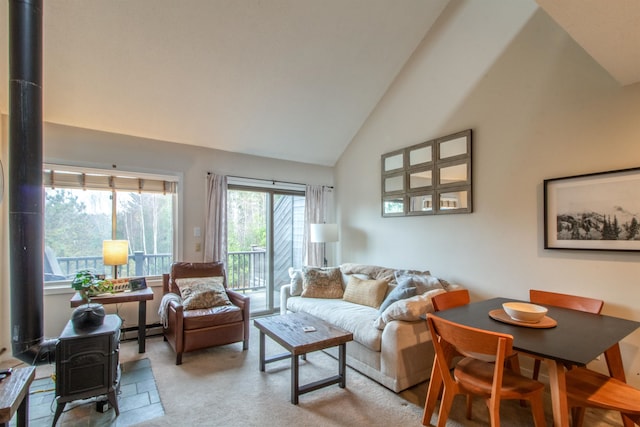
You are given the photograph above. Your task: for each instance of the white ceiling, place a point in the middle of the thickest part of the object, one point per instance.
(608, 30)
(288, 79)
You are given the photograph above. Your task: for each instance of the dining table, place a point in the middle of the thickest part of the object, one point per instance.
(576, 338)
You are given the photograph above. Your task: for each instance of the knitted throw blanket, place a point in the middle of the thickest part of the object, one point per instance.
(163, 310)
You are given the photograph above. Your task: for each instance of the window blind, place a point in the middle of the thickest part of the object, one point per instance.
(95, 179)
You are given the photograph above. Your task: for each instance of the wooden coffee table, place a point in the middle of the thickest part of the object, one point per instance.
(287, 330)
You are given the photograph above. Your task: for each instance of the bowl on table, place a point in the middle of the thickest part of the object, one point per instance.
(524, 311)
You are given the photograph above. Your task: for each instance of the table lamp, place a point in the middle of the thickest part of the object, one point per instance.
(323, 233)
(115, 253)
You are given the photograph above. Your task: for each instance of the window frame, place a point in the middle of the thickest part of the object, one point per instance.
(176, 188)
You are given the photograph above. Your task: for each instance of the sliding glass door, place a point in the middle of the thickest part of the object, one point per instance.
(264, 239)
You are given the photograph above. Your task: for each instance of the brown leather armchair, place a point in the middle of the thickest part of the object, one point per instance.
(189, 330)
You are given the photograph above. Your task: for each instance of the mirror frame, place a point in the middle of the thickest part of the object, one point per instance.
(434, 165)
(388, 156)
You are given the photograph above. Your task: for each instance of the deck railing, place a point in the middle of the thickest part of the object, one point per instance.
(138, 264)
(246, 270)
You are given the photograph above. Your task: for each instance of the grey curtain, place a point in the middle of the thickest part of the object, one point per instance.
(315, 207)
(215, 228)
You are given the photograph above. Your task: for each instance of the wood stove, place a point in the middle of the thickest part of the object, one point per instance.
(87, 363)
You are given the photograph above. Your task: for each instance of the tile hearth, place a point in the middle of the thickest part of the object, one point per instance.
(138, 400)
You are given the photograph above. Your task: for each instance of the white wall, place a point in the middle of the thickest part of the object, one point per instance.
(542, 109)
(75, 146)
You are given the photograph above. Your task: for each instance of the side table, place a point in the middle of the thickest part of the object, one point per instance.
(14, 395)
(141, 296)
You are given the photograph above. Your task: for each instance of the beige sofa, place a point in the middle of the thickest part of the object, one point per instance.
(392, 347)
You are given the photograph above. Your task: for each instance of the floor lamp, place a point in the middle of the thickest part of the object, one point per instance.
(323, 233)
(115, 253)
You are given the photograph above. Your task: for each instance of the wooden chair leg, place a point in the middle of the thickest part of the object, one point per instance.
(494, 411)
(627, 421)
(577, 416)
(537, 409)
(513, 363)
(433, 392)
(536, 369)
(178, 358)
(445, 408)
(631, 419)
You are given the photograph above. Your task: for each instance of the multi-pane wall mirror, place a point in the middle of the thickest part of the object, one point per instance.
(433, 177)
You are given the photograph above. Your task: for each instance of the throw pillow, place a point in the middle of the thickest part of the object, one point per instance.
(321, 282)
(422, 281)
(296, 281)
(365, 292)
(404, 290)
(202, 292)
(409, 309)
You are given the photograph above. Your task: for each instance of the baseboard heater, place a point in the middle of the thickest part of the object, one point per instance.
(130, 333)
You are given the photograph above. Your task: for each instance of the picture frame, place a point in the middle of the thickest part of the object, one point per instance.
(596, 211)
(138, 283)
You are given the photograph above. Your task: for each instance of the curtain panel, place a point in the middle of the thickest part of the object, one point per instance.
(315, 212)
(215, 229)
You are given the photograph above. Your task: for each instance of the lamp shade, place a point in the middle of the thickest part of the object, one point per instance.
(115, 252)
(323, 233)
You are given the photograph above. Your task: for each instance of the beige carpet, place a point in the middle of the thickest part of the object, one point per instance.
(223, 386)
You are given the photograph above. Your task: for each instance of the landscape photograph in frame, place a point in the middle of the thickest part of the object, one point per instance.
(599, 211)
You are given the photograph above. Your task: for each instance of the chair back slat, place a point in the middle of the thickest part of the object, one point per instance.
(468, 340)
(450, 299)
(574, 302)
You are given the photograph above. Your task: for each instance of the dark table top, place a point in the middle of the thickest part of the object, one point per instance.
(578, 338)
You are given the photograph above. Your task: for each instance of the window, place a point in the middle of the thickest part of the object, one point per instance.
(84, 207)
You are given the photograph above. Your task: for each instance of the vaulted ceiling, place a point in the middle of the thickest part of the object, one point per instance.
(288, 79)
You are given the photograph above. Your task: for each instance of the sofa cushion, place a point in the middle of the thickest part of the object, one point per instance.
(202, 292)
(321, 282)
(181, 270)
(296, 281)
(355, 318)
(423, 281)
(371, 271)
(365, 292)
(211, 317)
(401, 291)
(410, 309)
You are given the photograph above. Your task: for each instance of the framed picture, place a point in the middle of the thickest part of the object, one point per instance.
(138, 283)
(598, 211)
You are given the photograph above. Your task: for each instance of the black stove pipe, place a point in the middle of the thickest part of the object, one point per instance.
(26, 198)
